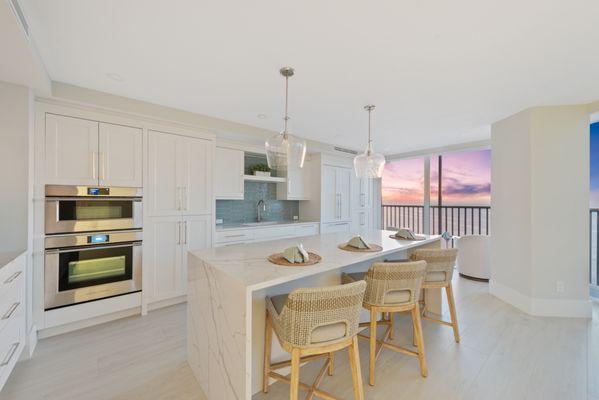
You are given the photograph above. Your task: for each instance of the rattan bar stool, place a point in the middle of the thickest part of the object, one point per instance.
(439, 272)
(391, 287)
(312, 324)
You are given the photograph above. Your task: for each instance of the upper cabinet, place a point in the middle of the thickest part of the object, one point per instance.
(120, 155)
(71, 151)
(84, 152)
(296, 186)
(180, 175)
(228, 174)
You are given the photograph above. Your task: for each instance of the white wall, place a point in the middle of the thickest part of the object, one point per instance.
(540, 200)
(15, 120)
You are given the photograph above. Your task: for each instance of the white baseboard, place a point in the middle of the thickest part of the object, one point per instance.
(541, 307)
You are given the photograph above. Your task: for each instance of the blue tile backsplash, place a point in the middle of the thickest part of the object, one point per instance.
(240, 211)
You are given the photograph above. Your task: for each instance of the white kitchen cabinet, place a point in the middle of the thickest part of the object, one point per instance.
(12, 309)
(166, 243)
(361, 192)
(180, 175)
(71, 151)
(228, 174)
(361, 220)
(296, 186)
(229, 237)
(162, 194)
(336, 227)
(336, 193)
(83, 152)
(120, 155)
(163, 258)
(195, 161)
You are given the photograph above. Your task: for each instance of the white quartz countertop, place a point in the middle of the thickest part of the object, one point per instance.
(7, 256)
(265, 224)
(247, 263)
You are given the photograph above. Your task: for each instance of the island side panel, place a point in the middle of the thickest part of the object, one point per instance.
(216, 331)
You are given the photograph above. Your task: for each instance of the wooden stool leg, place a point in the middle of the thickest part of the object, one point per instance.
(414, 333)
(267, 352)
(294, 384)
(452, 312)
(373, 319)
(419, 340)
(392, 326)
(354, 363)
(331, 359)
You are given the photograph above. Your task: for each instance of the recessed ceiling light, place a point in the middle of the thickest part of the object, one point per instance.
(261, 116)
(115, 77)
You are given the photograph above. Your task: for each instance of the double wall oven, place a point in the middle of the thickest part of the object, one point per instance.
(92, 243)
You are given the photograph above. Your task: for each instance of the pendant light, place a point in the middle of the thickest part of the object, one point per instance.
(284, 149)
(369, 164)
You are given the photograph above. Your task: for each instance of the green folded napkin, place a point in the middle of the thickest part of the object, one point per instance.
(296, 254)
(358, 243)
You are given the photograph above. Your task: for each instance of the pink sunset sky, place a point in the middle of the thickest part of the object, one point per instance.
(466, 179)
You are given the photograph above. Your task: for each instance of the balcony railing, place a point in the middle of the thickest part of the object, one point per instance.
(457, 220)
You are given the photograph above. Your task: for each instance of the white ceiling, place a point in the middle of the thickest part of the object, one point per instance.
(440, 72)
(19, 62)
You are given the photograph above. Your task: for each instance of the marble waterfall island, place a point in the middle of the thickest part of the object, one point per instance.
(226, 294)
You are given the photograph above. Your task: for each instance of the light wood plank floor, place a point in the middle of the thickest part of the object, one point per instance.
(504, 354)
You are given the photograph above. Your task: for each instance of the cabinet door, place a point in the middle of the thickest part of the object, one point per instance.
(361, 220)
(120, 155)
(163, 194)
(163, 256)
(195, 175)
(71, 151)
(196, 235)
(298, 181)
(360, 197)
(336, 227)
(343, 184)
(330, 198)
(228, 174)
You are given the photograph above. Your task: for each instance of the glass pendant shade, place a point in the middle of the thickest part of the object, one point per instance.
(285, 150)
(369, 164)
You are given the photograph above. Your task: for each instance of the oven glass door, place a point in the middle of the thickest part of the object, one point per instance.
(69, 215)
(82, 210)
(94, 266)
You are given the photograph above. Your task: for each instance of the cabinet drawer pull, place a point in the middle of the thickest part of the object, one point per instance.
(11, 352)
(233, 236)
(10, 311)
(13, 277)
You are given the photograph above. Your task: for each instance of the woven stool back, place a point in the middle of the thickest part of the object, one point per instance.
(385, 278)
(437, 260)
(309, 309)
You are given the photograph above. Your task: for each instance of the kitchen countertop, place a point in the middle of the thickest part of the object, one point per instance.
(225, 227)
(7, 256)
(247, 264)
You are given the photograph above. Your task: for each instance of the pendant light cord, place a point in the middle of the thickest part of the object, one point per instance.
(286, 103)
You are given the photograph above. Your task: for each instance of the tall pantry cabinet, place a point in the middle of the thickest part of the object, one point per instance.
(179, 209)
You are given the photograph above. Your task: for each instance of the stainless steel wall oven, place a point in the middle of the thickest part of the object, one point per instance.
(92, 244)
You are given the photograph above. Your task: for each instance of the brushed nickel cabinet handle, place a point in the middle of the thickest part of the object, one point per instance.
(11, 352)
(11, 310)
(13, 277)
(234, 236)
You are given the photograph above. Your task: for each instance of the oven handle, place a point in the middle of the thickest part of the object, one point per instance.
(86, 248)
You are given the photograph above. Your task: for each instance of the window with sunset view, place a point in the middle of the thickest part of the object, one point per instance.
(465, 193)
